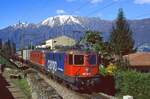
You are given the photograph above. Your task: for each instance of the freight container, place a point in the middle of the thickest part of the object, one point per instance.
(38, 57)
(26, 54)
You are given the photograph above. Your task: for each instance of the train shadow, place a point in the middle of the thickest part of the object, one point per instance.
(106, 85)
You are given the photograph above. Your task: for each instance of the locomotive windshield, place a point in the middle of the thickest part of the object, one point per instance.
(78, 59)
(92, 59)
(70, 59)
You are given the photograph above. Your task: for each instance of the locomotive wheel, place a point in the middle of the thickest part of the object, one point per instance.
(65, 84)
(73, 87)
(59, 80)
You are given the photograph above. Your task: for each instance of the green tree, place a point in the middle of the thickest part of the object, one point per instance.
(31, 46)
(92, 37)
(7, 48)
(120, 39)
(13, 50)
(0, 43)
(93, 40)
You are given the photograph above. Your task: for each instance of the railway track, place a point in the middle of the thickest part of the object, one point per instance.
(62, 90)
(65, 92)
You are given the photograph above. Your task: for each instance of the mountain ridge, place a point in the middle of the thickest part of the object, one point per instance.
(72, 26)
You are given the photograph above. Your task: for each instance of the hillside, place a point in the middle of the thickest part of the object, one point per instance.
(74, 26)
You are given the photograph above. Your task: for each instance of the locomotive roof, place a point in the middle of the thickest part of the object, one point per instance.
(68, 51)
(79, 52)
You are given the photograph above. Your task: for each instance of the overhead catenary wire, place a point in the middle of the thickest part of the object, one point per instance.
(95, 11)
(74, 11)
(106, 6)
(102, 8)
(99, 9)
(80, 7)
(113, 3)
(142, 15)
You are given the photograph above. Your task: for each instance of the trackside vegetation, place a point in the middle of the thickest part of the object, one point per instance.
(130, 82)
(127, 81)
(20, 83)
(23, 85)
(6, 62)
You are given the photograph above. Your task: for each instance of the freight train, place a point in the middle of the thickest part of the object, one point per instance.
(79, 69)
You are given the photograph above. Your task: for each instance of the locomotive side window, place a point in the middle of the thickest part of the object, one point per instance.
(78, 59)
(92, 59)
(60, 57)
(70, 59)
(54, 57)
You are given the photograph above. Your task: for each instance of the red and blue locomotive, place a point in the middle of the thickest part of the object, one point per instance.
(76, 68)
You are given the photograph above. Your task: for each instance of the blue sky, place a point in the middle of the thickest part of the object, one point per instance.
(34, 11)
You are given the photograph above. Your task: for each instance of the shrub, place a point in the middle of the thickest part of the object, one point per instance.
(133, 83)
(102, 70)
(108, 70)
(111, 68)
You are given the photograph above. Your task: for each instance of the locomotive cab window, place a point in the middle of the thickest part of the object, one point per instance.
(92, 59)
(78, 59)
(70, 59)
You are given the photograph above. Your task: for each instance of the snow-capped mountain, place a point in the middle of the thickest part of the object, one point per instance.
(61, 20)
(72, 26)
(145, 47)
(20, 25)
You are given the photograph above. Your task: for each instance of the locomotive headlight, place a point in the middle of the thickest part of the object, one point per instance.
(87, 70)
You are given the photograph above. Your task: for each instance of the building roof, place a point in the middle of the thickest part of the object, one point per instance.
(62, 36)
(139, 59)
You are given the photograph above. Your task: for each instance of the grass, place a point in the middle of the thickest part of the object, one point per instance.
(22, 84)
(134, 83)
(24, 87)
(4, 61)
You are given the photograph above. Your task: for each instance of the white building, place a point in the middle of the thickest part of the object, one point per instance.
(58, 41)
